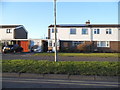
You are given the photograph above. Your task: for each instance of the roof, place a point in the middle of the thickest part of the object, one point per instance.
(13, 26)
(9, 26)
(86, 25)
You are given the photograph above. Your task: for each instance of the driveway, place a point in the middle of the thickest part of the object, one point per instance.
(30, 56)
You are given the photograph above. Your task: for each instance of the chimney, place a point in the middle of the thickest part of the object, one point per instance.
(88, 22)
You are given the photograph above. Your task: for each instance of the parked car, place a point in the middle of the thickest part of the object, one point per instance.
(7, 49)
(12, 48)
(36, 48)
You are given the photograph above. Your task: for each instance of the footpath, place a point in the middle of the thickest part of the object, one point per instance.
(60, 76)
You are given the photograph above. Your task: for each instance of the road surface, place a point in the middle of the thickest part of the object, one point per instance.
(30, 56)
(55, 83)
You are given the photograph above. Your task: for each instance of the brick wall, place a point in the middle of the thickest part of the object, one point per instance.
(66, 46)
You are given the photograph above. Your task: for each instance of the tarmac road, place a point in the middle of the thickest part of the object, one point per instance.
(54, 83)
(30, 56)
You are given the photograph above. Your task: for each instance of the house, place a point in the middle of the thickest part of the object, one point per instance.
(92, 37)
(14, 34)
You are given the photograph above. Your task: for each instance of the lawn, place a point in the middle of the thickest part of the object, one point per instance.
(81, 54)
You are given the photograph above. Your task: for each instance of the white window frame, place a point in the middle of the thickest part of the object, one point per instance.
(107, 44)
(53, 31)
(86, 33)
(72, 31)
(108, 31)
(96, 31)
(50, 44)
(8, 31)
(75, 43)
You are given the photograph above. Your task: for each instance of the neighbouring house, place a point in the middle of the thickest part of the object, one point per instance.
(85, 37)
(14, 34)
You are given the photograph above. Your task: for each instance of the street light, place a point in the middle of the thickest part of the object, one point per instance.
(55, 31)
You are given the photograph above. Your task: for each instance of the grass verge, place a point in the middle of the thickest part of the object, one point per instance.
(67, 67)
(81, 54)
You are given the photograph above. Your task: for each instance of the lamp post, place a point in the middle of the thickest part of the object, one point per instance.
(55, 31)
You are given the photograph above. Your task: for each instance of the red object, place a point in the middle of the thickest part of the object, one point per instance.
(25, 45)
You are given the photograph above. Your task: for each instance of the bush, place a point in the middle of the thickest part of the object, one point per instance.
(85, 47)
(66, 67)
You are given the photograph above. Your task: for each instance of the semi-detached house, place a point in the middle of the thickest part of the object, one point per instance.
(99, 37)
(14, 34)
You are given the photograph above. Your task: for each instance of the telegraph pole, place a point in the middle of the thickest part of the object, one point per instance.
(55, 31)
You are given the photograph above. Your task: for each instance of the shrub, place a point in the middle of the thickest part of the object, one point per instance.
(85, 47)
(70, 67)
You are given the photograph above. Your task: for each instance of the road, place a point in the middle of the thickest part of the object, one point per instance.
(30, 56)
(54, 83)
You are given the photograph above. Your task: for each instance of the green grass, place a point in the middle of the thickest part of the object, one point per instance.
(66, 67)
(81, 54)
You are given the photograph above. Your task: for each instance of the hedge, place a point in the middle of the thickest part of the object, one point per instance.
(66, 67)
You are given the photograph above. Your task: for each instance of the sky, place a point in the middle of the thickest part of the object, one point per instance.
(37, 16)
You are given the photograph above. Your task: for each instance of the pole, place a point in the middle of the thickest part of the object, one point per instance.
(55, 31)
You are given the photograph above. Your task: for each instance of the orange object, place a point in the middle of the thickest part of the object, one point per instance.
(25, 45)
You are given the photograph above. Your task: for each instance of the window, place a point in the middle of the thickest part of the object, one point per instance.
(108, 31)
(103, 44)
(50, 43)
(96, 31)
(75, 43)
(84, 31)
(65, 44)
(8, 30)
(53, 30)
(72, 31)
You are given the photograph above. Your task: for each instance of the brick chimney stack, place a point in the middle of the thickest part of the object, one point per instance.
(88, 22)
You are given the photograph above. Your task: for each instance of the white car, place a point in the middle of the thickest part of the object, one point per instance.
(36, 48)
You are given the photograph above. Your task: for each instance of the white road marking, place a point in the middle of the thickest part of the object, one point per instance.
(67, 82)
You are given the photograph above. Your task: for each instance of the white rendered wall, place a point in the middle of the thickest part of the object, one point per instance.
(64, 34)
(118, 34)
(6, 36)
(106, 37)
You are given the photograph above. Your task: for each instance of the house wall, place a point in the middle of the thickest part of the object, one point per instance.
(64, 34)
(66, 46)
(105, 37)
(20, 33)
(6, 36)
(118, 34)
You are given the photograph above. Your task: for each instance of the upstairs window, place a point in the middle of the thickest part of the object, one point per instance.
(72, 31)
(96, 31)
(8, 31)
(108, 31)
(53, 31)
(84, 31)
